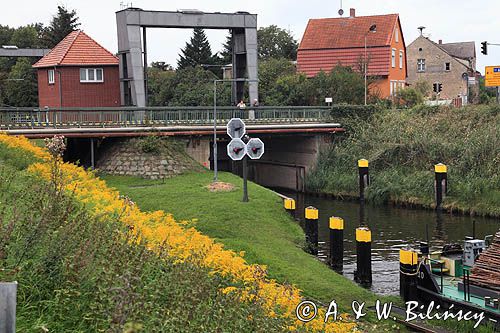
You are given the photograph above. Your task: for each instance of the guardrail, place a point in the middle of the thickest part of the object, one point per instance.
(151, 116)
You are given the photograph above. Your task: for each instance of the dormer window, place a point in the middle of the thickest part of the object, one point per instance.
(91, 75)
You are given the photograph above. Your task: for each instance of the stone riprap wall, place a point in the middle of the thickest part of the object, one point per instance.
(164, 158)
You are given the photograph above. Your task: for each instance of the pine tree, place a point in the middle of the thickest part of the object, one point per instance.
(61, 25)
(196, 52)
(227, 50)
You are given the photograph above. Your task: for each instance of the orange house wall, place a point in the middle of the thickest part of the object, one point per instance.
(382, 87)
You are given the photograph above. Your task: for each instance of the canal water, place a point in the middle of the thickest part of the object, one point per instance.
(392, 228)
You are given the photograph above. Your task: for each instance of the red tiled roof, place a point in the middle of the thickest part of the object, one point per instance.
(311, 62)
(77, 49)
(337, 33)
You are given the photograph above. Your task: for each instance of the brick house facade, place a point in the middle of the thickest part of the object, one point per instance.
(78, 72)
(447, 64)
(329, 42)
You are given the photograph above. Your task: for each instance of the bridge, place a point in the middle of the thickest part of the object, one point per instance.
(293, 136)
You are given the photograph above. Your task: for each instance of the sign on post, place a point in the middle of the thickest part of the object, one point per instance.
(492, 76)
(236, 149)
(255, 148)
(236, 128)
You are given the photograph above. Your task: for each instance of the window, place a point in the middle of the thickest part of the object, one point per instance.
(51, 76)
(420, 65)
(419, 49)
(400, 59)
(393, 58)
(447, 66)
(91, 75)
(396, 35)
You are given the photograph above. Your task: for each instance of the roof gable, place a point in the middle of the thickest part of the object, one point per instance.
(336, 33)
(77, 49)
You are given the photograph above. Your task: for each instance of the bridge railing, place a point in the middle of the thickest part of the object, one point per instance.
(155, 116)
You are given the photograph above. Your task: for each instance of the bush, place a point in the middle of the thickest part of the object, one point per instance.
(402, 148)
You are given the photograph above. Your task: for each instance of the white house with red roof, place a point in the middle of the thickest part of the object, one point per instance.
(78, 72)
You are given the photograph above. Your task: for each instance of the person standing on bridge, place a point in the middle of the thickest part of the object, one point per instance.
(241, 105)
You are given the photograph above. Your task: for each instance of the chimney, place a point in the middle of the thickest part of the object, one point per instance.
(440, 41)
(352, 12)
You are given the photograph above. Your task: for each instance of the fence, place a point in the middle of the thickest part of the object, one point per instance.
(127, 116)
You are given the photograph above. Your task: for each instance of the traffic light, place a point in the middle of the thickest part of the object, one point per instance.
(437, 87)
(484, 48)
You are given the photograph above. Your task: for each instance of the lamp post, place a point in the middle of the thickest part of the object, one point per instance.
(373, 28)
(215, 119)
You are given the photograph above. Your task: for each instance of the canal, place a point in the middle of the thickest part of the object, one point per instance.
(392, 228)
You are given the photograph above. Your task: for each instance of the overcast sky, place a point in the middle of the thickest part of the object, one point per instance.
(449, 20)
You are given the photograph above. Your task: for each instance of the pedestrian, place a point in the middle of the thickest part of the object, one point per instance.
(241, 105)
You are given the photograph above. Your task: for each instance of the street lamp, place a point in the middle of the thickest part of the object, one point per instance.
(373, 28)
(215, 118)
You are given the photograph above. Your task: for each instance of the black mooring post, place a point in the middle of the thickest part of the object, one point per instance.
(408, 265)
(363, 272)
(245, 178)
(311, 227)
(92, 157)
(440, 183)
(337, 244)
(364, 178)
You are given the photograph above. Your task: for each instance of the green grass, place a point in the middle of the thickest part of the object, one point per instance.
(403, 146)
(78, 273)
(261, 228)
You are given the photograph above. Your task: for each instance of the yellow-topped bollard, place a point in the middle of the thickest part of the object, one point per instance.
(363, 272)
(440, 183)
(336, 225)
(289, 204)
(364, 178)
(311, 229)
(408, 266)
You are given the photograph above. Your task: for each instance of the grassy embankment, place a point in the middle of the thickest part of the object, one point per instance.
(80, 272)
(403, 146)
(261, 228)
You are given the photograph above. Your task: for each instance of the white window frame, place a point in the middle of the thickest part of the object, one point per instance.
(401, 59)
(421, 65)
(51, 76)
(393, 58)
(94, 74)
(396, 35)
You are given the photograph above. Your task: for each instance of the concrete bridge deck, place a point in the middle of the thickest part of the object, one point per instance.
(115, 122)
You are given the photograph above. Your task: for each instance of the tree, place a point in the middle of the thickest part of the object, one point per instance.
(63, 23)
(21, 85)
(269, 72)
(193, 86)
(196, 52)
(5, 34)
(226, 55)
(27, 36)
(275, 42)
(160, 85)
